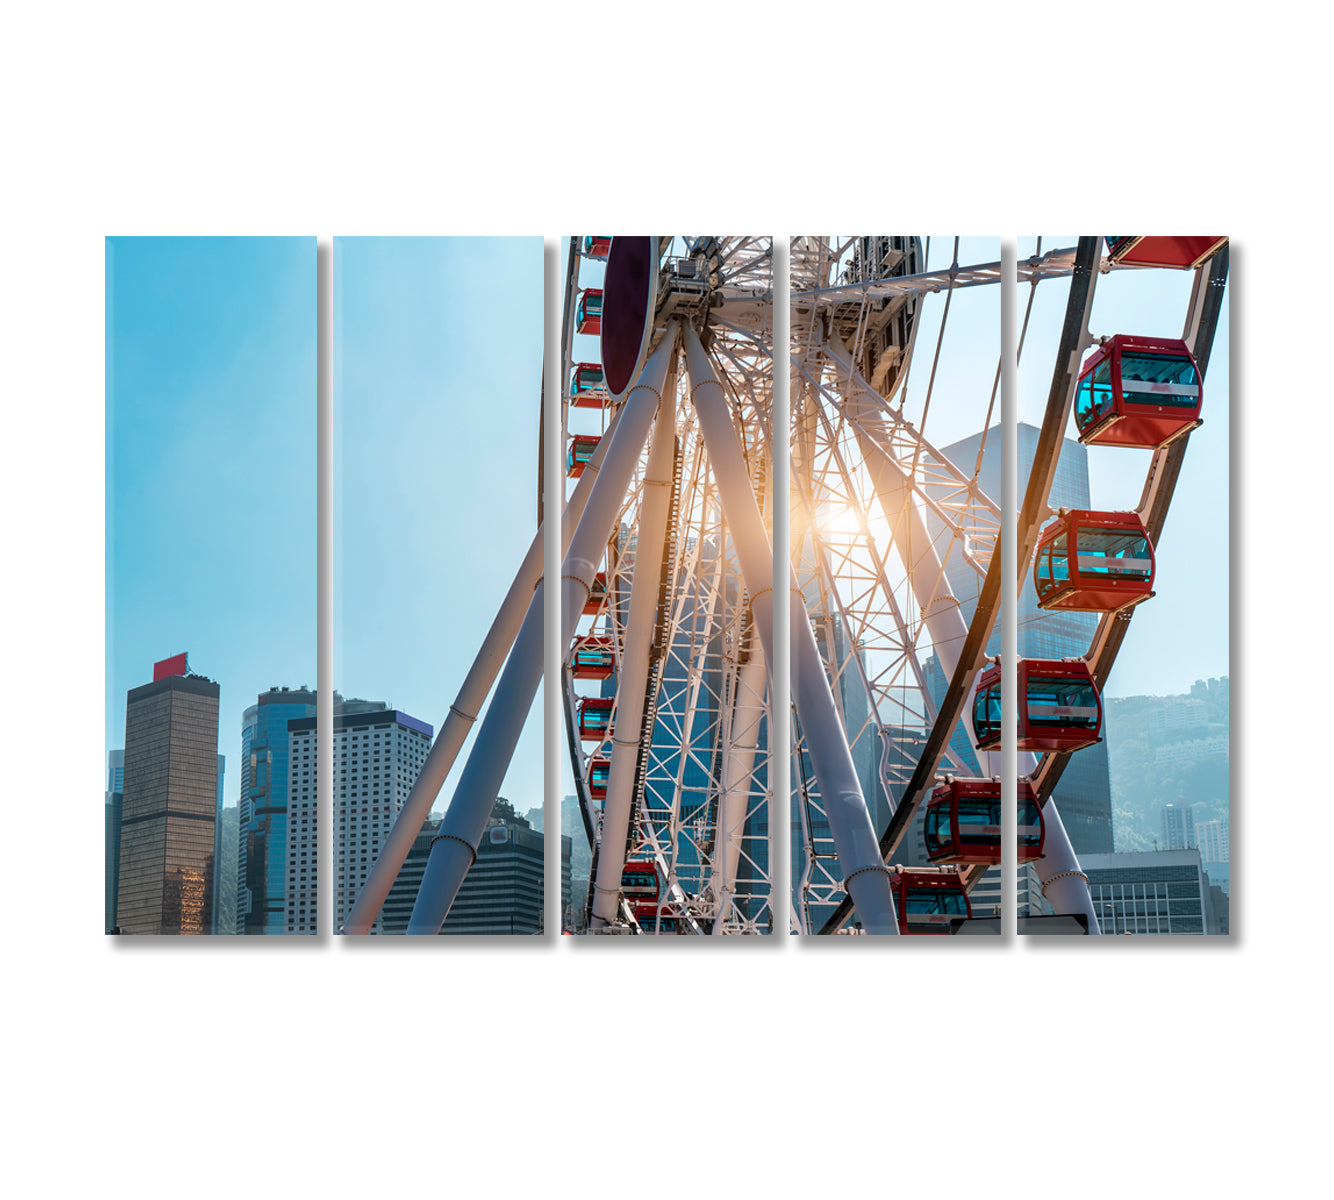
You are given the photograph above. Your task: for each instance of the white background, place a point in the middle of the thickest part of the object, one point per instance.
(1091, 1068)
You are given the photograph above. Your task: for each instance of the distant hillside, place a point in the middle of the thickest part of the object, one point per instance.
(1167, 750)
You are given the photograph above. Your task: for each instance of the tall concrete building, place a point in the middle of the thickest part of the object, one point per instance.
(986, 894)
(168, 824)
(1178, 827)
(222, 875)
(378, 754)
(1216, 851)
(261, 867)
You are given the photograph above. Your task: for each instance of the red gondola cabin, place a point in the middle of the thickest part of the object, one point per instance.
(592, 658)
(588, 386)
(640, 888)
(597, 593)
(594, 718)
(1182, 252)
(597, 246)
(582, 448)
(1136, 391)
(639, 882)
(588, 316)
(1093, 562)
(599, 772)
(963, 822)
(929, 899)
(1059, 706)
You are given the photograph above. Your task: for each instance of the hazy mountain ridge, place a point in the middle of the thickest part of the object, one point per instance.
(1167, 750)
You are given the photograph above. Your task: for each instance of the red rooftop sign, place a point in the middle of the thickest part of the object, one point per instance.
(170, 666)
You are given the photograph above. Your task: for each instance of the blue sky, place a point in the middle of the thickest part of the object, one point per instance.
(210, 457)
(437, 382)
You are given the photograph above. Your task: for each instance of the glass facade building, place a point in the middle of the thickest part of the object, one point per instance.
(1164, 891)
(261, 868)
(168, 822)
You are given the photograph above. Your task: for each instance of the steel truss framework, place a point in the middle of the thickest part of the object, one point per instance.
(697, 736)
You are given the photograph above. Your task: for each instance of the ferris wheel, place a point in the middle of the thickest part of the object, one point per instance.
(666, 708)
(667, 585)
(891, 540)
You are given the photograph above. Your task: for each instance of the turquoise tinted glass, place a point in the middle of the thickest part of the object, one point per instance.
(986, 712)
(1094, 399)
(1028, 815)
(1159, 368)
(1045, 694)
(1113, 553)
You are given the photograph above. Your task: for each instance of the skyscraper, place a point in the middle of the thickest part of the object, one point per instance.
(1178, 827)
(378, 754)
(261, 867)
(222, 875)
(1216, 851)
(1213, 840)
(169, 813)
(111, 820)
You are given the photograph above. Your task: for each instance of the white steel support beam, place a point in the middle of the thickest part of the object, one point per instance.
(738, 767)
(632, 682)
(865, 876)
(1064, 885)
(454, 848)
(463, 712)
